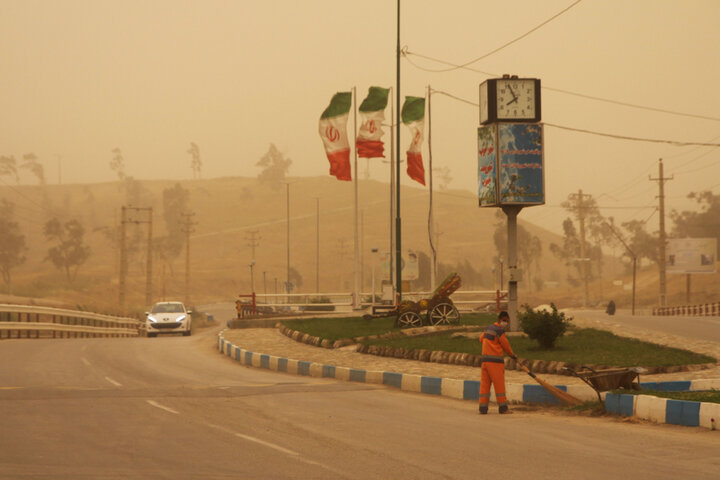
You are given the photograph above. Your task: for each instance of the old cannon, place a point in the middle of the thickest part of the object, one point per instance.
(436, 310)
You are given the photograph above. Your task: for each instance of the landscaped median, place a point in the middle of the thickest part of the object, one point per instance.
(458, 344)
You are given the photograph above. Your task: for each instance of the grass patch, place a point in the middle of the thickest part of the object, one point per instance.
(353, 327)
(583, 346)
(709, 396)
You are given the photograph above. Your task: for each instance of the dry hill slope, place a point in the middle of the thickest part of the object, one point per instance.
(226, 211)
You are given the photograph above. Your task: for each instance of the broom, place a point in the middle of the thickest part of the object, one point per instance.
(564, 397)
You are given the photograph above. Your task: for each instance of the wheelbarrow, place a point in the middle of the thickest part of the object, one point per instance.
(604, 380)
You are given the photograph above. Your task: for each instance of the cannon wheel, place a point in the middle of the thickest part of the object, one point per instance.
(409, 319)
(443, 314)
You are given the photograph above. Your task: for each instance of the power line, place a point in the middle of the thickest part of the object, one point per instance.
(635, 139)
(602, 134)
(405, 52)
(517, 39)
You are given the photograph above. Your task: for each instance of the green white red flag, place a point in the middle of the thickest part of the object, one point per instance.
(333, 131)
(413, 115)
(372, 114)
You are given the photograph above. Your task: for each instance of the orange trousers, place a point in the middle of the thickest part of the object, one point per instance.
(492, 373)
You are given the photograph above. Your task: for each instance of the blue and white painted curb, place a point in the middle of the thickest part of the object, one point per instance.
(448, 387)
(642, 406)
(665, 410)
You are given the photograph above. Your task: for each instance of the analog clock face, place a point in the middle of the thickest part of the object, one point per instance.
(515, 98)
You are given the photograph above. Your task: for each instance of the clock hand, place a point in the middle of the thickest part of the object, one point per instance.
(514, 100)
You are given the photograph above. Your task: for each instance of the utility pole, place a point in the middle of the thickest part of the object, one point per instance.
(434, 267)
(123, 262)
(632, 255)
(317, 245)
(149, 265)
(342, 251)
(661, 263)
(187, 229)
(253, 242)
(123, 254)
(585, 261)
(287, 277)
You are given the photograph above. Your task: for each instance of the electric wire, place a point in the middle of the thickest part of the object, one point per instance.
(602, 134)
(534, 29)
(405, 52)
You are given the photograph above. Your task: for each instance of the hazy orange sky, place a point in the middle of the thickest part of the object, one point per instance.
(79, 78)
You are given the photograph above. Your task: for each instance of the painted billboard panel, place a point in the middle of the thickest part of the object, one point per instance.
(487, 172)
(521, 178)
(691, 255)
(409, 262)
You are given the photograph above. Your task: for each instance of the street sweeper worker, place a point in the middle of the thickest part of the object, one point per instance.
(494, 345)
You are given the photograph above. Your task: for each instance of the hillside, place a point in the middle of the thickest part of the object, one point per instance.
(227, 210)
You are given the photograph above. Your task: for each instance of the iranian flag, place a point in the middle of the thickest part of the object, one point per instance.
(413, 115)
(372, 113)
(333, 131)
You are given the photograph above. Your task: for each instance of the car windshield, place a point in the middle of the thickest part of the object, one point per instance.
(168, 308)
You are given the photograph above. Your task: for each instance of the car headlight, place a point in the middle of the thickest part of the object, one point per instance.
(180, 318)
(152, 319)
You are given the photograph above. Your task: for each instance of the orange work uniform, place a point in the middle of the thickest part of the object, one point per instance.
(494, 343)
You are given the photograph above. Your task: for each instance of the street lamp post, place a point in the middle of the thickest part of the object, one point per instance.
(252, 277)
(372, 301)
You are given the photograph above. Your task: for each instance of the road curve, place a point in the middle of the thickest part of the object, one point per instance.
(172, 407)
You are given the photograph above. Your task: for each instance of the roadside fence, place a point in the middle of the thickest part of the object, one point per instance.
(259, 303)
(705, 309)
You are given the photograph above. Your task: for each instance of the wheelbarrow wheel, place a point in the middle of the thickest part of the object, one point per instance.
(443, 314)
(409, 319)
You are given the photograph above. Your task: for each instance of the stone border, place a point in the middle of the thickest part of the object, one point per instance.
(344, 342)
(455, 358)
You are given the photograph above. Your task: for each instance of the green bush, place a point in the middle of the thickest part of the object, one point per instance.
(545, 327)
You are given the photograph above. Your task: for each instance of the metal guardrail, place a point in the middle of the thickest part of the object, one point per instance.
(54, 322)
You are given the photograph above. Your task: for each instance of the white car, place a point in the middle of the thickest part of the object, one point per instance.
(168, 317)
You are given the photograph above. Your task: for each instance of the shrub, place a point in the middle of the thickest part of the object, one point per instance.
(543, 326)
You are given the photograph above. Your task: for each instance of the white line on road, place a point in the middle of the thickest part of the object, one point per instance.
(162, 407)
(293, 454)
(117, 384)
(267, 444)
(85, 361)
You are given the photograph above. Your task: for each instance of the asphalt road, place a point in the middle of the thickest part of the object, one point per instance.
(173, 407)
(699, 328)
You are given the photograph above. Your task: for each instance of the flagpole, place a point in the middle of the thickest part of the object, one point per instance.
(398, 221)
(356, 296)
(433, 266)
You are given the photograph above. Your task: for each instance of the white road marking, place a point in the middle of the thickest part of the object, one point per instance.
(117, 384)
(267, 444)
(293, 454)
(84, 360)
(162, 407)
